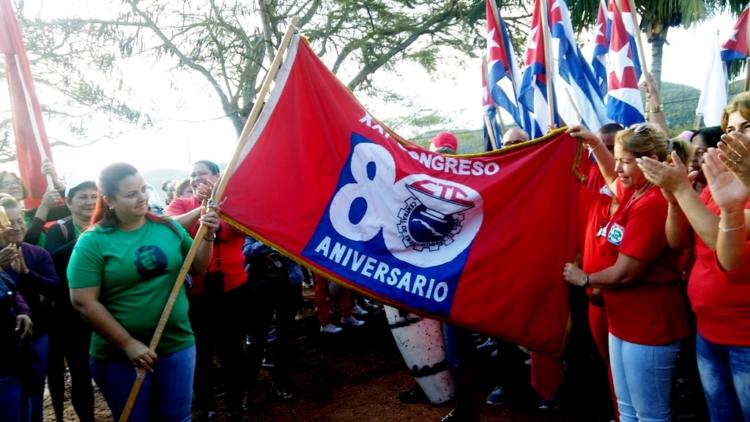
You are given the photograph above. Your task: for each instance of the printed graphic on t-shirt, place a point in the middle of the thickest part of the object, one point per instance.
(151, 262)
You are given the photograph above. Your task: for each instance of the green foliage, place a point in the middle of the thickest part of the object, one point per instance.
(657, 12)
(680, 102)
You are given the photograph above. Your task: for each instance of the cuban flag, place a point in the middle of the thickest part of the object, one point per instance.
(601, 47)
(624, 102)
(576, 87)
(628, 19)
(735, 48)
(490, 117)
(533, 90)
(503, 67)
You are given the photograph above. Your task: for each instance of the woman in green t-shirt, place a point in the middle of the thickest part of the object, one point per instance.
(120, 274)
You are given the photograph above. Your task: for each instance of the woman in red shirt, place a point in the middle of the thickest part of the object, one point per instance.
(638, 273)
(218, 299)
(719, 291)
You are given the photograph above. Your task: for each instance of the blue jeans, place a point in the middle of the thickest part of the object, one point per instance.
(12, 408)
(166, 394)
(642, 376)
(35, 399)
(725, 375)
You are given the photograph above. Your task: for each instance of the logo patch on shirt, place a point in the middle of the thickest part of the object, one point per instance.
(616, 232)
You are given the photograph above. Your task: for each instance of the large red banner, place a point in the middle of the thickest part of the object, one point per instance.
(31, 139)
(477, 240)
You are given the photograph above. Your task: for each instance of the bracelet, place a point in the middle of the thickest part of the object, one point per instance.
(731, 229)
(586, 280)
(211, 238)
(596, 146)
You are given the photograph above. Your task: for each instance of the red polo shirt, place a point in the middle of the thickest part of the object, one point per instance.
(650, 310)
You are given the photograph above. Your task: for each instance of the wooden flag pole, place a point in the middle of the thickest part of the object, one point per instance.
(217, 193)
(548, 70)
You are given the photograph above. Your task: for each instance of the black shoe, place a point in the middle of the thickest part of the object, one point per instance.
(413, 395)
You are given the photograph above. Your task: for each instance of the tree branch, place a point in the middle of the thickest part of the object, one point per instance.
(177, 52)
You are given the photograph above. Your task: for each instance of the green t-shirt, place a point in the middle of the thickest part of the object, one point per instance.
(136, 271)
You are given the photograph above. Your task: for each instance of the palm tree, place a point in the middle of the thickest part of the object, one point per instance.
(657, 16)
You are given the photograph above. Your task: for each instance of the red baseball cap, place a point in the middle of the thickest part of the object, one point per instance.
(444, 140)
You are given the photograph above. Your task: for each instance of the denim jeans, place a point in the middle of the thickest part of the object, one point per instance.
(725, 375)
(40, 347)
(642, 375)
(166, 394)
(12, 409)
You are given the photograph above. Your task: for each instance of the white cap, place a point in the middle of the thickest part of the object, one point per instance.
(75, 182)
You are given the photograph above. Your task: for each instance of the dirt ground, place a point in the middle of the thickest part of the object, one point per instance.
(356, 376)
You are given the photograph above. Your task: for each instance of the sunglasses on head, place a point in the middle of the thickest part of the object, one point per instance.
(640, 128)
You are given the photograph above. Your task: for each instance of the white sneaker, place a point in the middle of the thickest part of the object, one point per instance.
(351, 321)
(330, 329)
(359, 311)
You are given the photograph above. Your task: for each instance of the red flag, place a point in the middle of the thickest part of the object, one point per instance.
(32, 145)
(477, 240)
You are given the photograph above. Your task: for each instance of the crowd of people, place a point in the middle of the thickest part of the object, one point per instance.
(85, 275)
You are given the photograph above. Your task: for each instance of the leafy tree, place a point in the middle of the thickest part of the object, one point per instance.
(229, 43)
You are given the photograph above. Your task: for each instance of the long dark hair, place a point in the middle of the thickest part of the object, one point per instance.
(109, 185)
